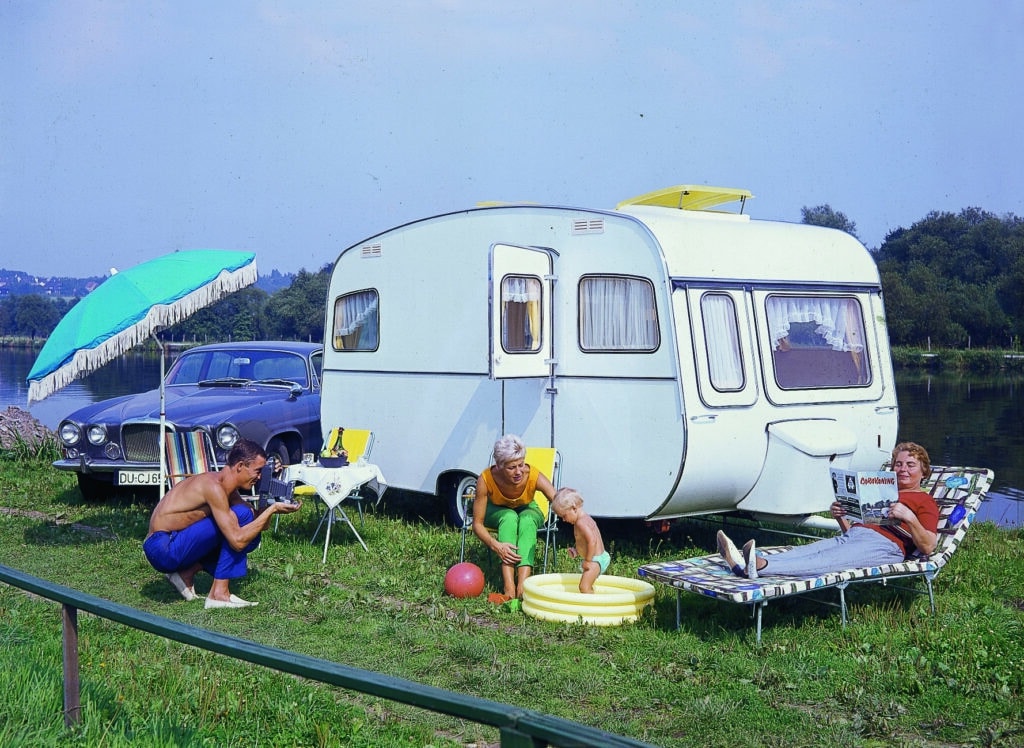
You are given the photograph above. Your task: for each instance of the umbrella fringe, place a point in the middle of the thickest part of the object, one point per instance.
(157, 318)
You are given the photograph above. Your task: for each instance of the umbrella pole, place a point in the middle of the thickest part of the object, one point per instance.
(163, 421)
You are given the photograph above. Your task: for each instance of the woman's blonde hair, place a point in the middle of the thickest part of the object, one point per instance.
(917, 451)
(508, 448)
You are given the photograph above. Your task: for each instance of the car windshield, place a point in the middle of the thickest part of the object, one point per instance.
(233, 366)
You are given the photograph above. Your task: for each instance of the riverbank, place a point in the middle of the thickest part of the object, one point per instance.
(21, 343)
(968, 361)
(22, 433)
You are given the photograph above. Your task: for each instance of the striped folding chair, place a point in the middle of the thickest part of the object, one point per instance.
(188, 453)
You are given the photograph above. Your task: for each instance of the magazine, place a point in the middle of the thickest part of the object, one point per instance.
(866, 496)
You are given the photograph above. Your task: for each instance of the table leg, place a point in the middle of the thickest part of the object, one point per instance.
(355, 532)
(327, 542)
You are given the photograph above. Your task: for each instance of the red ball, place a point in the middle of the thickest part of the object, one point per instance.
(464, 580)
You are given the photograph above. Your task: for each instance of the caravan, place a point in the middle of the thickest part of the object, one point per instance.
(682, 359)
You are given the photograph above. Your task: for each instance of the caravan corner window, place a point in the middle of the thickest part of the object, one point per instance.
(721, 333)
(617, 314)
(356, 322)
(817, 341)
(520, 313)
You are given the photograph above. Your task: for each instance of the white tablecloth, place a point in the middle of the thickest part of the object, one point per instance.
(334, 484)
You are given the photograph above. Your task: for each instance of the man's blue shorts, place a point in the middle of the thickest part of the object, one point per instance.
(201, 543)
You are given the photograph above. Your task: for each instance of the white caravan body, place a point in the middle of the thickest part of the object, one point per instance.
(683, 362)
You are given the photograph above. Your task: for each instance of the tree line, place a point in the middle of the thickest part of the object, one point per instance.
(951, 280)
(292, 313)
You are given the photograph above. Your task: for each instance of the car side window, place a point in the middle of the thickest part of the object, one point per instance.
(317, 360)
(291, 368)
(187, 370)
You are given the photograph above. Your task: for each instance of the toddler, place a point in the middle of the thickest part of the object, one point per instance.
(568, 505)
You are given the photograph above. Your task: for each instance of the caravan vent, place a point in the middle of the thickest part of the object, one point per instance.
(370, 251)
(588, 226)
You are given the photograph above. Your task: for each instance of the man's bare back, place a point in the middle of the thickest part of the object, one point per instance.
(188, 502)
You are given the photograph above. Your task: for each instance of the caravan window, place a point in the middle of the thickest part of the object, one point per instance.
(617, 314)
(356, 322)
(817, 341)
(722, 338)
(520, 313)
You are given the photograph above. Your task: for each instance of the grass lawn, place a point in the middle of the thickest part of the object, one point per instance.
(896, 675)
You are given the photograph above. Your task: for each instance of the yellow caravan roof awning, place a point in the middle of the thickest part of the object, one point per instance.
(690, 197)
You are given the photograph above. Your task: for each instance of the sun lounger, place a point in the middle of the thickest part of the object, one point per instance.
(958, 492)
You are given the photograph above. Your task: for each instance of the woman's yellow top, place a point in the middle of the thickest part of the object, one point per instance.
(497, 498)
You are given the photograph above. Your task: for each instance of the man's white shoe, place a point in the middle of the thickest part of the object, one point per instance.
(189, 593)
(750, 558)
(727, 549)
(233, 602)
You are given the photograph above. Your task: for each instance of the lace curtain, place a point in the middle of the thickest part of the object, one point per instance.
(356, 321)
(838, 320)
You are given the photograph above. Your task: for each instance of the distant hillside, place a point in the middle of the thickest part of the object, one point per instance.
(274, 281)
(19, 283)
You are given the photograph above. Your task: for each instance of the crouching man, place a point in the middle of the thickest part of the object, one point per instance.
(204, 523)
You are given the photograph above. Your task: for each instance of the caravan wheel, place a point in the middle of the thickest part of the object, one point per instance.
(459, 496)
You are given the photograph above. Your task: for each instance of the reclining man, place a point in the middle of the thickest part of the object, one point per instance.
(204, 523)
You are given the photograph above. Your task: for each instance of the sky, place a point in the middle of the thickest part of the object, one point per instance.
(294, 130)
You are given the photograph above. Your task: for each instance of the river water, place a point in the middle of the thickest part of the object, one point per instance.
(961, 420)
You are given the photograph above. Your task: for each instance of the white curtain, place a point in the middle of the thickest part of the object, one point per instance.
(721, 338)
(617, 314)
(356, 313)
(837, 319)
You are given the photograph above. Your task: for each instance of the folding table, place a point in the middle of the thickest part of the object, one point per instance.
(335, 484)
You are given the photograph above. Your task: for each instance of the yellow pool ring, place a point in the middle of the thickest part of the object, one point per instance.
(557, 597)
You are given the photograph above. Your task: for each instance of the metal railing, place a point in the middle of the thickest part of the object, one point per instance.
(518, 728)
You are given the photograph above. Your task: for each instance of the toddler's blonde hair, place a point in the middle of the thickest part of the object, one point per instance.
(566, 498)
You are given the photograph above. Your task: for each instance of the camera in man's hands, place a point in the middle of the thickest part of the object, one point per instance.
(266, 501)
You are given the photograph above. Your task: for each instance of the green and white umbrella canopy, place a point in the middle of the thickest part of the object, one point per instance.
(130, 306)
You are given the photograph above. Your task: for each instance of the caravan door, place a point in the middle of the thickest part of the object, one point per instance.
(521, 347)
(520, 302)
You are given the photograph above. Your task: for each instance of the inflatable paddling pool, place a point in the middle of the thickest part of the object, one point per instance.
(557, 597)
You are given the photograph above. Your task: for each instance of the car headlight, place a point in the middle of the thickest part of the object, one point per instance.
(227, 436)
(96, 434)
(70, 433)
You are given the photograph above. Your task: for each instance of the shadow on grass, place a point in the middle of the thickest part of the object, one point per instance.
(47, 533)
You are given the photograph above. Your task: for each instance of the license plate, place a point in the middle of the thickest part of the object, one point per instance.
(138, 477)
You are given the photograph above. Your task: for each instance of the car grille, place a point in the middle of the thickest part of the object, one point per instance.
(141, 442)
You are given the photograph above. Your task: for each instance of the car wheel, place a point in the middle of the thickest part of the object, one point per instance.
(459, 496)
(93, 489)
(278, 452)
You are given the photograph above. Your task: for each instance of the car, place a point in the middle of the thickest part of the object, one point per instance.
(266, 391)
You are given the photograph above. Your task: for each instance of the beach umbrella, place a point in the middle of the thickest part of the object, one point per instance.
(132, 305)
